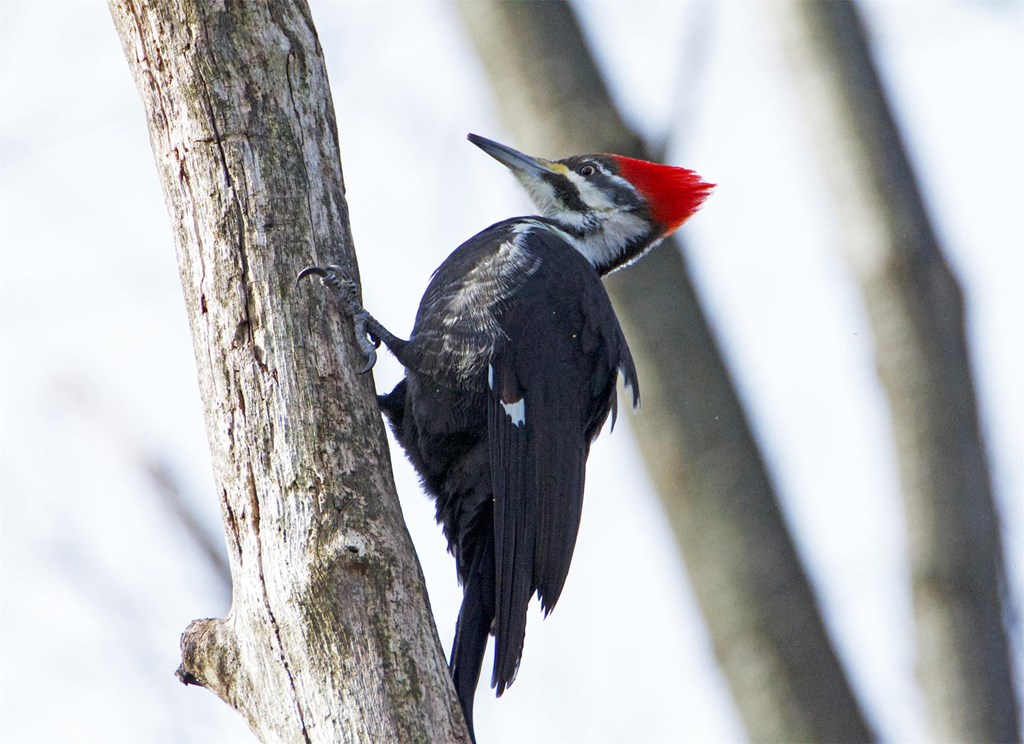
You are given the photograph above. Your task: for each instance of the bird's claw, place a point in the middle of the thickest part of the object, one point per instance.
(338, 280)
(368, 343)
(341, 282)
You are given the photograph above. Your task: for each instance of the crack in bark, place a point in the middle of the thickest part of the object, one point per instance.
(254, 502)
(301, 135)
(236, 203)
(232, 524)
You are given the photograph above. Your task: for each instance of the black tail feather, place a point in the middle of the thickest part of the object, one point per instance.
(473, 627)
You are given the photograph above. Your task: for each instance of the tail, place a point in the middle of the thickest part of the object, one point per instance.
(473, 627)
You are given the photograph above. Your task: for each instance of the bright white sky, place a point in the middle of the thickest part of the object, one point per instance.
(98, 578)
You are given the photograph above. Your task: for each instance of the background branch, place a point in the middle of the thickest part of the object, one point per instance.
(694, 435)
(916, 310)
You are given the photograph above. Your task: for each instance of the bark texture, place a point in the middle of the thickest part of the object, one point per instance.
(917, 315)
(767, 632)
(330, 637)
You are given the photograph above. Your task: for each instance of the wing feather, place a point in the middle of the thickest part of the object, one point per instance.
(551, 387)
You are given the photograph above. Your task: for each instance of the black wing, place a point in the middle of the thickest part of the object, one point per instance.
(552, 385)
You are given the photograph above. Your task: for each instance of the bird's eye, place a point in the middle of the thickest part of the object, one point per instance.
(586, 170)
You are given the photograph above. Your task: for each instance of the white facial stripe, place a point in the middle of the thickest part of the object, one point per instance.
(595, 197)
(592, 196)
(577, 220)
(541, 193)
(619, 180)
(602, 247)
(601, 233)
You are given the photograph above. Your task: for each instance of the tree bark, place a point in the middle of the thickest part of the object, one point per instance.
(765, 625)
(917, 315)
(330, 636)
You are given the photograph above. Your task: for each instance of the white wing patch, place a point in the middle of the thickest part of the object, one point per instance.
(516, 411)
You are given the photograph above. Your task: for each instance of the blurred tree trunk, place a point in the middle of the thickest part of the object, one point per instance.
(762, 614)
(916, 310)
(330, 637)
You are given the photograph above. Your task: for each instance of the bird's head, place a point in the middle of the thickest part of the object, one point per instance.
(612, 207)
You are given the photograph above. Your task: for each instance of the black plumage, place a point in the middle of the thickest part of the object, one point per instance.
(510, 375)
(511, 372)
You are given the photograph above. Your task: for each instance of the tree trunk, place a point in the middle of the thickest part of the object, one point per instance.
(767, 631)
(330, 636)
(916, 310)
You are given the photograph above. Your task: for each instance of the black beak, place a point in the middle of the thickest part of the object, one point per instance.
(520, 164)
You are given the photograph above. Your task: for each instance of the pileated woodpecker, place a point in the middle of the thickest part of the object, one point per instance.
(510, 375)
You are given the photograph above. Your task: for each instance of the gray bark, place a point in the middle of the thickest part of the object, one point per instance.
(917, 315)
(765, 625)
(330, 636)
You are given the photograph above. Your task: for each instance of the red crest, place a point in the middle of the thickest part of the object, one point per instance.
(672, 193)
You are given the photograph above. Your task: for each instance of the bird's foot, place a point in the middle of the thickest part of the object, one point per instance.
(339, 281)
(344, 286)
(367, 341)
